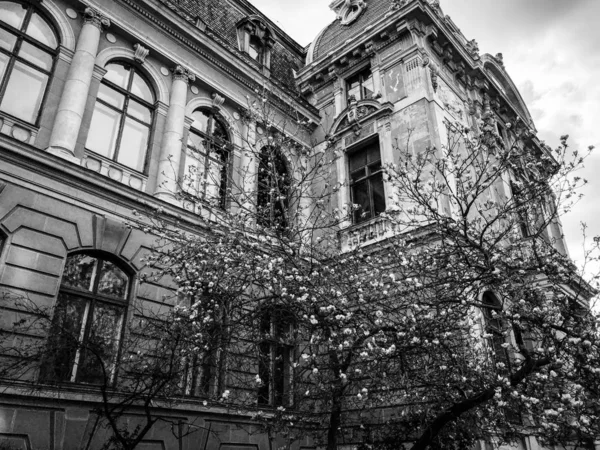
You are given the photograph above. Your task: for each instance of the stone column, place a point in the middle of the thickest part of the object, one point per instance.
(77, 85)
(167, 184)
(248, 166)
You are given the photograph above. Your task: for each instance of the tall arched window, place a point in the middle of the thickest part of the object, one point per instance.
(207, 158)
(87, 322)
(28, 49)
(123, 117)
(273, 189)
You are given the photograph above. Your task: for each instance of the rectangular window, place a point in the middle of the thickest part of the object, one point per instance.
(366, 182)
(520, 205)
(360, 85)
(274, 362)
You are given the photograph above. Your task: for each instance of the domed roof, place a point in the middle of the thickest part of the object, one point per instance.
(337, 33)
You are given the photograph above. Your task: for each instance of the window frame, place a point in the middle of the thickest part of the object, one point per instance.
(279, 183)
(201, 181)
(132, 69)
(368, 178)
(273, 341)
(13, 55)
(92, 299)
(361, 84)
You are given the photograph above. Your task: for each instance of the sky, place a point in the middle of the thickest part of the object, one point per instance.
(551, 52)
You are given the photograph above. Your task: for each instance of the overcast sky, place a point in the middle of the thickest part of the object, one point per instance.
(551, 50)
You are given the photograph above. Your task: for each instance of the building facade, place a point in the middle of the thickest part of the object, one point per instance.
(100, 104)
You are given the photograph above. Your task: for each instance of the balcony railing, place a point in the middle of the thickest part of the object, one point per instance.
(367, 233)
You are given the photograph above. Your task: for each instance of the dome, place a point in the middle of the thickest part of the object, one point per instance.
(354, 17)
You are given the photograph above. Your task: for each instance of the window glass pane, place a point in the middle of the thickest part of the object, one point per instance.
(220, 132)
(138, 111)
(194, 171)
(264, 372)
(134, 142)
(3, 64)
(24, 92)
(111, 96)
(7, 39)
(63, 342)
(80, 271)
(197, 143)
(100, 349)
(39, 29)
(373, 153)
(36, 56)
(117, 74)
(103, 131)
(378, 194)
(357, 160)
(360, 197)
(140, 88)
(12, 13)
(214, 178)
(200, 121)
(358, 174)
(368, 87)
(113, 281)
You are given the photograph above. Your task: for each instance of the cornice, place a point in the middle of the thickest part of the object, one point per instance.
(238, 75)
(87, 183)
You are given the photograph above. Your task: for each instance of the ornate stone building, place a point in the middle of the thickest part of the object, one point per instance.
(99, 100)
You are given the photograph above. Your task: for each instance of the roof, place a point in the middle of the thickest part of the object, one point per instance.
(336, 34)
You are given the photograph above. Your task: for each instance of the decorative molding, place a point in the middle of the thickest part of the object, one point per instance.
(217, 101)
(67, 35)
(93, 17)
(208, 56)
(183, 73)
(157, 80)
(141, 53)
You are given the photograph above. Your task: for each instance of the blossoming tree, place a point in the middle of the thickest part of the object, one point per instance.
(468, 323)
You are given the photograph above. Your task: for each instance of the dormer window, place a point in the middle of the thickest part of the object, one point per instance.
(255, 49)
(256, 39)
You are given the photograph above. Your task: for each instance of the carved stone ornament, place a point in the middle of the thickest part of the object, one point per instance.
(334, 72)
(399, 4)
(91, 16)
(499, 59)
(217, 100)
(351, 10)
(435, 4)
(473, 48)
(183, 73)
(140, 53)
(433, 72)
(369, 47)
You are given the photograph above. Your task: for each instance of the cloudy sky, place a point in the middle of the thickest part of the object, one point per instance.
(551, 51)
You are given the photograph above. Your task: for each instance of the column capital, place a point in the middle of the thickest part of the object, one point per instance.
(183, 73)
(92, 16)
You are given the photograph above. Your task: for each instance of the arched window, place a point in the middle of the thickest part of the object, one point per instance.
(87, 322)
(28, 49)
(273, 190)
(123, 117)
(207, 158)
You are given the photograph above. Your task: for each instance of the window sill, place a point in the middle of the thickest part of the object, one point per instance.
(17, 129)
(366, 233)
(114, 170)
